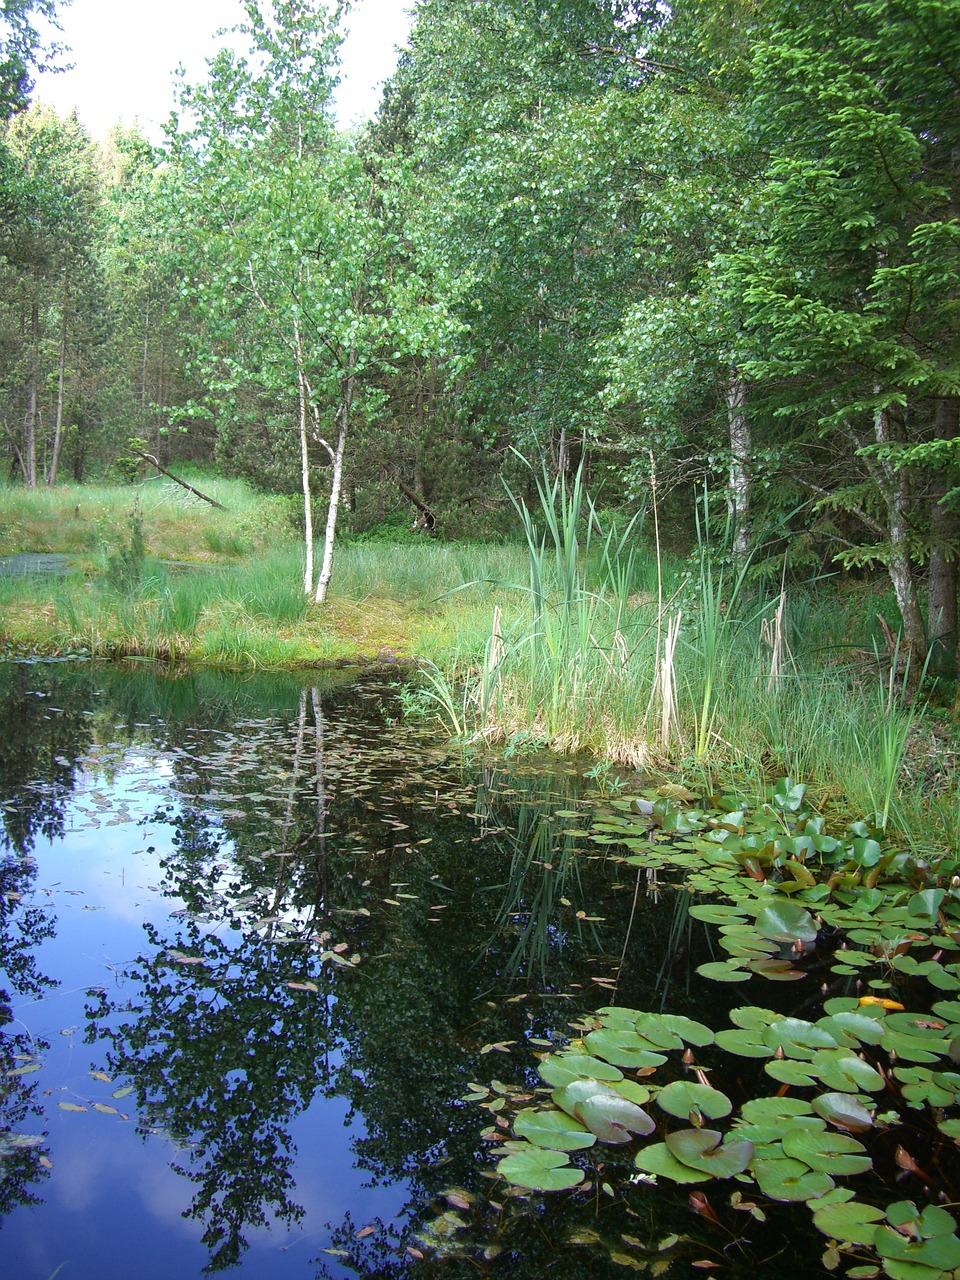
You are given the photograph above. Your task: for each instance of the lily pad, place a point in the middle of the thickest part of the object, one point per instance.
(659, 1160)
(790, 1180)
(624, 1048)
(540, 1170)
(766, 1110)
(723, 971)
(843, 1111)
(833, 1153)
(553, 1129)
(748, 1044)
(603, 1110)
(682, 1097)
(561, 1068)
(853, 1222)
(705, 1150)
(786, 921)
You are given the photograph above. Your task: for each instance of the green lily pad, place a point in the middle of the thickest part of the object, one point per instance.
(844, 1071)
(717, 912)
(655, 1028)
(705, 1150)
(562, 1068)
(767, 1110)
(790, 1180)
(682, 1097)
(843, 1111)
(540, 1170)
(723, 971)
(632, 1091)
(786, 921)
(797, 1038)
(659, 1160)
(624, 1048)
(799, 1074)
(940, 1253)
(851, 1028)
(752, 1018)
(553, 1129)
(603, 1110)
(833, 1153)
(690, 1031)
(747, 1044)
(853, 1222)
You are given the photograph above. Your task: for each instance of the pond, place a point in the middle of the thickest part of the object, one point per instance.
(266, 949)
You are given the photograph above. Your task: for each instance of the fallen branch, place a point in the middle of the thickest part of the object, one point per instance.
(148, 457)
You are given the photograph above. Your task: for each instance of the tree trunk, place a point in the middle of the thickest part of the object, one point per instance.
(896, 494)
(942, 580)
(58, 429)
(741, 448)
(336, 481)
(303, 393)
(30, 423)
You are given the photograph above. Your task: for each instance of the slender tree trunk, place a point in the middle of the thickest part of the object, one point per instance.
(336, 481)
(896, 494)
(30, 423)
(303, 393)
(143, 369)
(58, 430)
(942, 580)
(741, 448)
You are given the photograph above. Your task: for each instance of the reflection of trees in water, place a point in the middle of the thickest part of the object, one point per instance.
(225, 1054)
(291, 825)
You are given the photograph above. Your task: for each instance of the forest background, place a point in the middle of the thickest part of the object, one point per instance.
(712, 245)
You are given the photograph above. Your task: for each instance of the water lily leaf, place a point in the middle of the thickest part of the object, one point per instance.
(839, 1069)
(853, 1222)
(717, 912)
(723, 971)
(539, 1170)
(681, 1097)
(561, 1068)
(752, 1018)
(122, 1092)
(607, 1113)
(951, 1128)
(787, 1071)
(748, 1044)
(834, 1153)
(776, 970)
(687, 1029)
(797, 1038)
(790, 1180)
(915, 1048)
(632, 1091)
(624, 1048)
(704, 1149)
(788, 795)
(104, 1109)
(659, 1160)
(654, 1027)
(926, 903)
(843, 1111)
(851, 1028)
(70, 1106)
(940, 1253)
(553, 1129)
(767, 1110)
(786, 921)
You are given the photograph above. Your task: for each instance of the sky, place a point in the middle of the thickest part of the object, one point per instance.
(125, 51)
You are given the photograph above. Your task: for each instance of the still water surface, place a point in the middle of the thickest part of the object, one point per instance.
(258, 937)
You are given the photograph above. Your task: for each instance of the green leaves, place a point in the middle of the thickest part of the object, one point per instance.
(539, 1170)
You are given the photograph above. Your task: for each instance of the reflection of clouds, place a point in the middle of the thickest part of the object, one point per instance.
(92, 1168)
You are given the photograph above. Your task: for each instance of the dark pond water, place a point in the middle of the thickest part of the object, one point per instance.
(258, 938)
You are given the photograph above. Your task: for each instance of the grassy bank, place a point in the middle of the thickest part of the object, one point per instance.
(577, 641)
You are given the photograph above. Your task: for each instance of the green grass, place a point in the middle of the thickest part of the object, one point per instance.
(579, 640)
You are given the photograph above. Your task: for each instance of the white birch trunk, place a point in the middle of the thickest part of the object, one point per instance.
(741, 447)
(304, 463)
(336, 483)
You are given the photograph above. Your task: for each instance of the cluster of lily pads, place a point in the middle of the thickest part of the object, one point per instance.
(789, 888)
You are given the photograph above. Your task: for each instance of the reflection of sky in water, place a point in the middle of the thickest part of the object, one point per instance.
(112, 1205)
